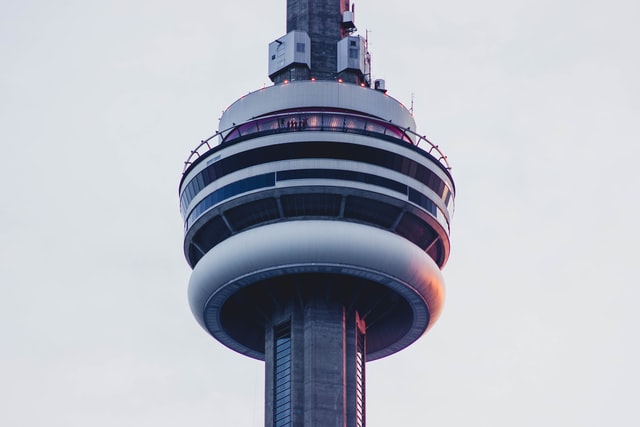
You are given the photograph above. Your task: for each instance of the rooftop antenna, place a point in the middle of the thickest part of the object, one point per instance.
(367, 59)
(412, 100)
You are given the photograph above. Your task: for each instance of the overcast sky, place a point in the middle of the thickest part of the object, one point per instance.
(536, 103)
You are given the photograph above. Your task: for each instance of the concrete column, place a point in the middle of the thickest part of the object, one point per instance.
(324, 365)
(324, 373)
(321, 19)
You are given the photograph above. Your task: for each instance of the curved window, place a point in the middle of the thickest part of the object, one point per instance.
(230, 190)
(270, 179)
(341, 174)
(425, 203)
(318, 150)
(316, 121)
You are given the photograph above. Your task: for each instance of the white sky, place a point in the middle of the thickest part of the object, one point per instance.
(536, 103)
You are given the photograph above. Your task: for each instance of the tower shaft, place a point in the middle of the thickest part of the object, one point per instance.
(321, 20)
(315, 358)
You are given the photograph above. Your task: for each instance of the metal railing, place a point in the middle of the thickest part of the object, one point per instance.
(289, 122)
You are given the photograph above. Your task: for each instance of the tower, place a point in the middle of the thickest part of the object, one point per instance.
(317, 222)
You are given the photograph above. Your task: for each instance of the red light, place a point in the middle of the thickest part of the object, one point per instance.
(339, 80)
(313, 79)
(361, 84)
(285, 82)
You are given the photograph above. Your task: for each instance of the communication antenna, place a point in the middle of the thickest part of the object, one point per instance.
(367, 60)
(412, 100)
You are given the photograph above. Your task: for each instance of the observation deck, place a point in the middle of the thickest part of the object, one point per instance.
(317, 181)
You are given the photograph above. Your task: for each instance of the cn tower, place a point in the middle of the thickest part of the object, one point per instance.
(317, 222)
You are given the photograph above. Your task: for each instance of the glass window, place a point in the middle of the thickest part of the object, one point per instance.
(323, 150)
(242, 186)
(360, 383)
(342, 174)
(333, 121)
(282, 375)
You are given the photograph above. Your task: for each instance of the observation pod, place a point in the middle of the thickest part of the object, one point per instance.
(316, 229)
(331, 185)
